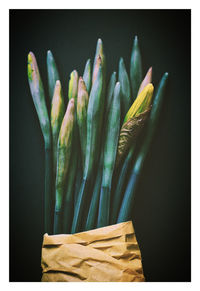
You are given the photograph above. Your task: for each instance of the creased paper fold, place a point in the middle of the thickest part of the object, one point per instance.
(107, 254)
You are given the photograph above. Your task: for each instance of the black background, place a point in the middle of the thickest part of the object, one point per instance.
(162, 208)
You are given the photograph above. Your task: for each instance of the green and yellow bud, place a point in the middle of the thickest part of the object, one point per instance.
(142, 102)
(96, 68)
(33, 71)
(73, 86)
(64, 149)
(99, 52)
(38, 96)
(82, 104)
(57, 114)
(57, 106)
(67, 124)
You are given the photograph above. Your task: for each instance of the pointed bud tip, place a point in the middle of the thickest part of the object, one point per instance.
(74, 73)
(58, 83)
(30, 57)
(135, 42)
(117, 87)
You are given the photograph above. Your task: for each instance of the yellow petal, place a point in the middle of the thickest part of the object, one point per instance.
(141, 103)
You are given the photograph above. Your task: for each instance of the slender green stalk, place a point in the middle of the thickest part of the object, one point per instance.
(94, 204)
(135, 68)
(78, 181)
(125, 88)
(64, 149)
(82, 104)
(37, 92)
(52, 72)
(94, 126)
(69, 197)
(128, 200)
(110, 150)
(87, 75)
(118, 193)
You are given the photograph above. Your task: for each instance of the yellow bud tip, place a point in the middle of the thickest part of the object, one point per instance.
(81, 84)
(30, 57)
(31, 65)
(68, 118)
(57, 88)
(141, 103)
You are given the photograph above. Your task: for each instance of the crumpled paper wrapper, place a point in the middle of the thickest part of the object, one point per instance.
(106, 254)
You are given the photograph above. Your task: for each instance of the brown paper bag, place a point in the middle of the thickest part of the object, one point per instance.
(107, 254)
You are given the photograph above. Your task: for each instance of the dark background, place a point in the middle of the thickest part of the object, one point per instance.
(162, 209)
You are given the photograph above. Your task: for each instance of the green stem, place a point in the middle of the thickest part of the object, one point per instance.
(118, 194)
(57, 222)
(69, 197)
(80, 203)
(67, 215)
(48, 205)
(78, 181)
(104, 207)
(94, 205)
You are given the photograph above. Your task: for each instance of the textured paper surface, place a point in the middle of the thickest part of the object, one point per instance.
(107, 254)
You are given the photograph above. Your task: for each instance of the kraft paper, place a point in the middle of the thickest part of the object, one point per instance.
(107, 254)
